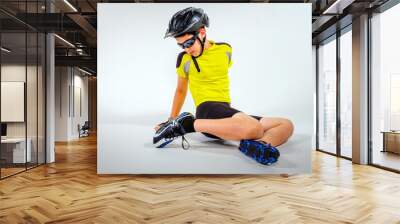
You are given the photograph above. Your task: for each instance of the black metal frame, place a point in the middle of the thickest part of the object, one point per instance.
(338, 98)
(26, 89)
(37, 91)
(45, 90)
(316, 98)
(369, 83)
(337, 35)
(0, 92)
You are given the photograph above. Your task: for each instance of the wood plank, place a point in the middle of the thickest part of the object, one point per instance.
(70, 191)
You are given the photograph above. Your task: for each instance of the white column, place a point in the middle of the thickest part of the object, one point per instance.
(50, 100)
(50, 92)
(360, 90)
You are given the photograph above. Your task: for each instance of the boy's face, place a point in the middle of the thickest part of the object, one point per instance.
(193, 50)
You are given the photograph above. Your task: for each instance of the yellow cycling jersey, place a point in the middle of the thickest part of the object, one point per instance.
(212, 82)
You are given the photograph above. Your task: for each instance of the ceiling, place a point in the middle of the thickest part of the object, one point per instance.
(76, 21)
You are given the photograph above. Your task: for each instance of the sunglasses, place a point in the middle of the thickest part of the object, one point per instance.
(188, 43)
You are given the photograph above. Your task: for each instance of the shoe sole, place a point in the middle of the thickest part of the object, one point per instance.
(268, 160)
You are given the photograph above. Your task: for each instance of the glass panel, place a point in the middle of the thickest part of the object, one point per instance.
(7, 23)
(346, 93)
(32, 90)
(314, 66)
(22, 88)
(14, 5)
(13, 89)
(327, 96)
(386, 89)
(41, 98)
(31, 101)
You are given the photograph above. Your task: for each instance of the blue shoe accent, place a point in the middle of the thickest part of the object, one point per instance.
(172, 129)
(162, 145)
(260, 151)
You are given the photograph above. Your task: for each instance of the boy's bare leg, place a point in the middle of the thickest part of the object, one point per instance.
(239, 126)
(276, 130)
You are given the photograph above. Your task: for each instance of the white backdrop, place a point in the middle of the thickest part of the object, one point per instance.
(271, 76)
(12, 101)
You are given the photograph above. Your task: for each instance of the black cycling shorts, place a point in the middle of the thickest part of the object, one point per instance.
(216, 110)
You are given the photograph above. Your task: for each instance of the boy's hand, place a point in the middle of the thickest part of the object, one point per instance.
(158, 126)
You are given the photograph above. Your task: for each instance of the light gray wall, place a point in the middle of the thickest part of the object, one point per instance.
(271, 76)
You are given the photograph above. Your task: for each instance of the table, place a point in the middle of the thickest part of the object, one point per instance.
(15, 148)
(391, 141)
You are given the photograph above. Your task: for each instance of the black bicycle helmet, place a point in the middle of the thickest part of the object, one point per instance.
(188, 20)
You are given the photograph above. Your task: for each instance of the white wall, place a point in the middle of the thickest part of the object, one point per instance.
(61, 103)
(15, 72)
(271, 76)
(68, 81)
(79, 117)
(33, 127)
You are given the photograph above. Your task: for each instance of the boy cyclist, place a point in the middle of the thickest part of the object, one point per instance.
(203, 66)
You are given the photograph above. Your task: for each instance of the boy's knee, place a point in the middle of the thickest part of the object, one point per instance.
(289, 125)
(254, 131)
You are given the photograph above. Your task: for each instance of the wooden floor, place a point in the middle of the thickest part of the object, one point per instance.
(70, 191)
(5, 172)
(388, 159)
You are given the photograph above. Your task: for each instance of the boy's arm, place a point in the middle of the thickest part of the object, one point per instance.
(180, 95)
(179, 99)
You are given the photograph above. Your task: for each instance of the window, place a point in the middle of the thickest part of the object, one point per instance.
(346, 94)
(327, 96)
(385, 88)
